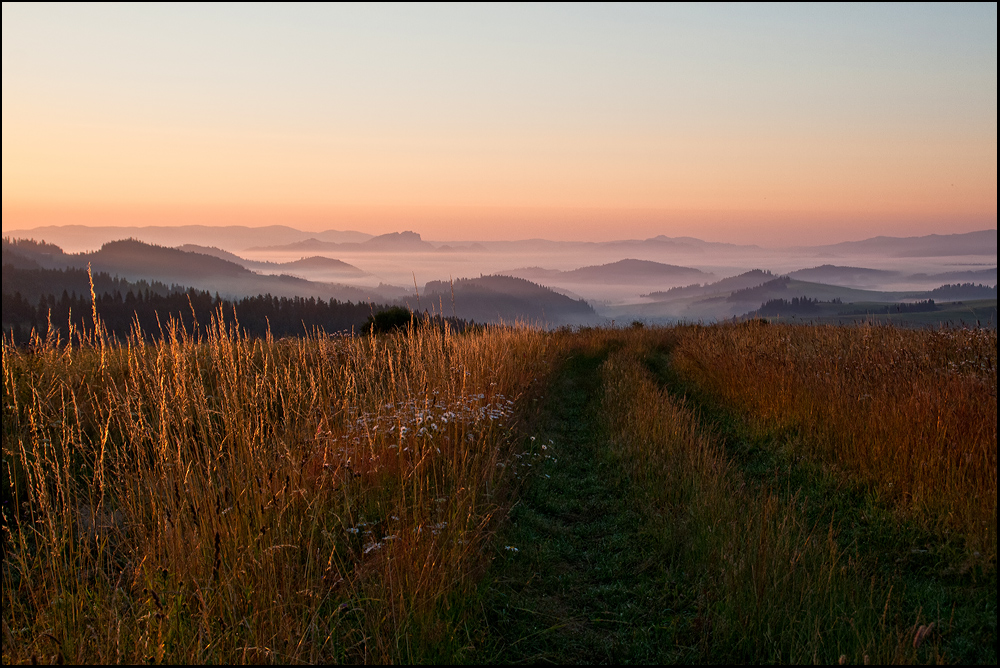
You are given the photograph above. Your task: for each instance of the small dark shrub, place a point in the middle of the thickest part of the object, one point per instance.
(389, 320)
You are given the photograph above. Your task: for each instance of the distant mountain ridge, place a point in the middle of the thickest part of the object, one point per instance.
(982, 242)
(80, 237)
(313, 263)
(737, 296)
(491, 299)
(282, 237)
(133, 260)
(392, 242)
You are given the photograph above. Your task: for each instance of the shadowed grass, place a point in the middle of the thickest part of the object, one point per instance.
(912, 413)
(583, 585)
(931, 575)
(667, 534)
(768, 584)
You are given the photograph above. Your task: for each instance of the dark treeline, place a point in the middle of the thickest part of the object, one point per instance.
(35, 282)
(964, 291)
(924, 306)
(757, 291)
(678, 291)
(119, 313)
(794, 305)
(807, 305)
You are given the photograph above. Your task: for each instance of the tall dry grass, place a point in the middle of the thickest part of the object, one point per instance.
(323, 499)
(767, 586)
(911, 412)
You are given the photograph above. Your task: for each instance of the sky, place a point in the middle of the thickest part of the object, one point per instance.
(762, 124)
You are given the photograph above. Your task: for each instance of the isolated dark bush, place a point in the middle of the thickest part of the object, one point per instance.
(389, 320)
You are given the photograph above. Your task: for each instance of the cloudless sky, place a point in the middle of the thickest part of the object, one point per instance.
(771, 124)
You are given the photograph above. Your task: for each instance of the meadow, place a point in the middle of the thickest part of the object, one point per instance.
(742, 492)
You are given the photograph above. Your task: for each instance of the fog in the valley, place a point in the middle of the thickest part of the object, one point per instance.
(623, 289)
(661, 279)
(402, 269)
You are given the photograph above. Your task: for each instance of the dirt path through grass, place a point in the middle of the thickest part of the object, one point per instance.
(582, 586)
(929, 576)
(584, 577)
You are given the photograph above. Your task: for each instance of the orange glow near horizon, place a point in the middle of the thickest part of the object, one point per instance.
(759, 124)
(493, 223)
(771, 191)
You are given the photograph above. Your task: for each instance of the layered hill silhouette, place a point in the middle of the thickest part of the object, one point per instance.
(121, 265)
(969, 275)
(983, 242)
(860, 277)
(315, 263)
(284, 238)
(638, 286)
(748, 279)
(624, 272)
(394, 242)
(850, 276)
(496, 299)
(83, 236)
(747, 292)
(135, 260)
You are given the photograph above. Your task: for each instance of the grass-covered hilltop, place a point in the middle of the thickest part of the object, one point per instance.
(745, 492)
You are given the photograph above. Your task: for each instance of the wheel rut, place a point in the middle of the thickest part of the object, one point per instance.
(581, 586)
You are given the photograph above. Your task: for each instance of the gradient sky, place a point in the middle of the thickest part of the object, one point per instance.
(764, 124)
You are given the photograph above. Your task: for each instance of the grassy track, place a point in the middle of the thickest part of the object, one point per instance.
(583, 586)
(727, 494)
(634, 549)
(931, 576)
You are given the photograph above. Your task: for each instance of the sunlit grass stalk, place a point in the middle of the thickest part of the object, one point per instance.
(214, 497)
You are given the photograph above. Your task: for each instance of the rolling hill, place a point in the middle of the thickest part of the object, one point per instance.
(498, 298)
(982, 242)
(394, 242)
(313, 264)
(135, 260)
(623, 272)
(850, 276)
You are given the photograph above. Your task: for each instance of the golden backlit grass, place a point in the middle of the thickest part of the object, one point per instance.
(333, 499)
(912, 413)
(767, 586)
(322, 499)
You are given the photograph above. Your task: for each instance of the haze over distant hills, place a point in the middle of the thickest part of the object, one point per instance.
(76, 238)
(487, 299)
(311, 264)
(659, 279)
(851, 276)
(983, 242)
(133, 260)
(235, 238)
(743, 294)
(394, 242)
(624, 272)
(502, 299)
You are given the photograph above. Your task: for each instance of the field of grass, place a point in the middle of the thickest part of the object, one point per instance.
(734, 493)
(238, 500)
(911, 413)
